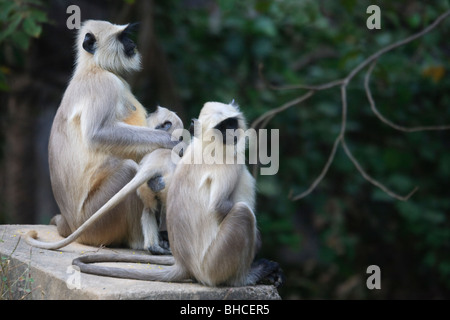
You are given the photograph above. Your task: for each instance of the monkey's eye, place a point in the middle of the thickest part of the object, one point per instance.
(165, 126)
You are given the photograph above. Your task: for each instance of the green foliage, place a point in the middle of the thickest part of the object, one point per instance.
(346, 224)
(20, 21)
(325, 241)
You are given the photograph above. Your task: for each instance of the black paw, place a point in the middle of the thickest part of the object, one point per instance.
(164, 240)
(158, 250)
(163, 236)
(156, 184)
(271, 272)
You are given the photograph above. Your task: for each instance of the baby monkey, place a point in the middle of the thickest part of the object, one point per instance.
(153, 193)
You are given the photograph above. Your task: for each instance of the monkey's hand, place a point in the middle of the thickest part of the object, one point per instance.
(156, 184)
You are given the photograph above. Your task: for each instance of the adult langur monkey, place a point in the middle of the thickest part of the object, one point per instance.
(98, 136)
(210, 220)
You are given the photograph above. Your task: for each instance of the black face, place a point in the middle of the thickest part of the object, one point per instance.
(165, 126)
(229, 123)
(125, 36)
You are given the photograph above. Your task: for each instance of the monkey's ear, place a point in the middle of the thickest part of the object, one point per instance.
(132, 27)
(154, 109)
(234, 104)
(130, 32)
(89, 43)
(165, 126)
(194, 122)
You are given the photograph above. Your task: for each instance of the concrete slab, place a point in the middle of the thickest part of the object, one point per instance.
(33, 273)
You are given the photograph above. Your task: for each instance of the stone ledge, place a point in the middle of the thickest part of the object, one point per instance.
(35, 273)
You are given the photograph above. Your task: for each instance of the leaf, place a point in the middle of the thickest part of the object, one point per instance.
(38, 15)
(22, 40)
(349, 5)
(410, 211)
(3, 87)
(15, 20)
(5, 8)
(31, 28)
(435, 73)
(261, 48)
(414, 20)
(265, 26)
(262, 6)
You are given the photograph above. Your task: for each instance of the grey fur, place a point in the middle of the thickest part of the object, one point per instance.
(210, 220)
(98, 137)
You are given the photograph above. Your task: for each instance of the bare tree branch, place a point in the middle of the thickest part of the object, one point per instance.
(397, 44)
(266, 117)
(387, 121)
(323, 86)
(322, 173)
(372, 180)
(338, 140)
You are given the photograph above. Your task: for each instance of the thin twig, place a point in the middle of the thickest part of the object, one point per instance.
(270, 114)
(318, 87)
(356, 163)
(322, 173)
(363, 64)
(330, 160)
(266, 117)
(372, 180)
(387, 121)
(397, 44)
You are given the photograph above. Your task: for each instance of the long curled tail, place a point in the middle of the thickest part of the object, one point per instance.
(144, 173)
(173, 273)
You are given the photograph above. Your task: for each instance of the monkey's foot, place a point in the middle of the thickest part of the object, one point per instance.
(165, 245)
(156, 184)
(164, 236)
(158, 250)
(270, 271)
(164, 241)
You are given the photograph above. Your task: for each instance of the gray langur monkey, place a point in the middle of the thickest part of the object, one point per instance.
(153, 193)
(99, 134)
(210, 215)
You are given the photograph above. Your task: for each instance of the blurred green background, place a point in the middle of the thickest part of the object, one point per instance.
(209, 50)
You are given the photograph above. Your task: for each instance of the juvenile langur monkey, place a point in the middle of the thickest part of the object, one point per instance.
(153, 193)
(210, 215)
(98, 136)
